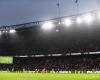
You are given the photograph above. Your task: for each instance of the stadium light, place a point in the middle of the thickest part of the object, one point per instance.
(88, 18)
(57, 30)
(48, 26)
(67, 22)
(12, 31)
(0, 32)
(79, 20)
(3, 31)
(98, 15)
(6, 31)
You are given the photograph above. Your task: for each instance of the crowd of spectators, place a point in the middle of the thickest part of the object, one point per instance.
(48, 64)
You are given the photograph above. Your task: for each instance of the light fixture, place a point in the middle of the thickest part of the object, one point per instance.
(79, 20)
(0, 32)
(48, 25)
(12, 31)
(67, 22)
(88, 18)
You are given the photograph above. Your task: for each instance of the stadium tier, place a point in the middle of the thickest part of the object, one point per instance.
(68, 64)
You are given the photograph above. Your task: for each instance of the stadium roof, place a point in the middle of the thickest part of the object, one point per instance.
(24, 11)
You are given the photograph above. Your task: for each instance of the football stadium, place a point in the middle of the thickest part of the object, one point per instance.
(58, 48)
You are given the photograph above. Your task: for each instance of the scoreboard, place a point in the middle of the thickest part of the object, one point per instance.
(6, 60)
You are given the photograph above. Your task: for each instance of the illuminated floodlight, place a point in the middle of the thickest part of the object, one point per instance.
(3, 31)
(59, 22)
(0, 32)
(98, 15)
(57, 30)
(79, 20)
(12, 31)
(67, 22)
(6, 31)
(88, 18)
(48, 25)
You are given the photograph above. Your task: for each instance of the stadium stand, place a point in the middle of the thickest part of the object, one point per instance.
(73, 64)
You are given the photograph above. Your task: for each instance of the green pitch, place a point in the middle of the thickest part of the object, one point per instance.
(32, 76)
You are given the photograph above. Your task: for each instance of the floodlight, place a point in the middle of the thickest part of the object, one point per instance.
(79, 20)
(59, 22)
(57, 30)
(12, 31)
(48, 25)
(67, 22)
(3, 31)
(98, 15)
(88, 18)
(0, 32)
(6, 31)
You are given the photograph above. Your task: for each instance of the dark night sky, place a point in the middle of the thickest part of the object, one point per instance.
(21, 11)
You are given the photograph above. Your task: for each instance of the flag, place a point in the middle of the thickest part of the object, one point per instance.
(76, 1)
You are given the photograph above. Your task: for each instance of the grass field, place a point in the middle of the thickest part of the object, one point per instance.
(32, 76)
